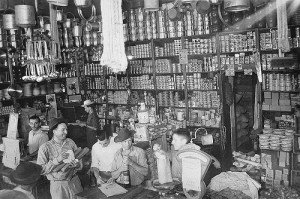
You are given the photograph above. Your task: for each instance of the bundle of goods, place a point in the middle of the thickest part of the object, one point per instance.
(246, 161)
(279, 192)
(276, 139)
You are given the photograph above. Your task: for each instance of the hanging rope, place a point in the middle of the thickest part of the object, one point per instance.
(113, 38)
(282, 26)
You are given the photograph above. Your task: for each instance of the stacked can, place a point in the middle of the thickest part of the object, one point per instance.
(177, 46)
(142, 82)
(163, 66)
(180, 82)
(280, 82)
(132, 26)
(140, 24)
(161, 24)
(154, 25)
(113, 83)
(95, 83)
(165, 82)
(188, 19)
(177, 68)
(1, 38)
(171, 30)
(199, 25)
(140, 50)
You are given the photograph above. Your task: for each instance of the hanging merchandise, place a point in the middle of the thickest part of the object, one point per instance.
(236, 5)
(9, 22)
(58, 2)
(113, 38)
(151, 5)
(283, 42)
(25, 16)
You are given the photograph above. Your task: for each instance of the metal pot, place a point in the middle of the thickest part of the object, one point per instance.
(83, 3)
(25, 16)
(9, 22)
(236, 5)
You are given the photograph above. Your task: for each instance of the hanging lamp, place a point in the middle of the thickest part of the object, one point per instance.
(236, 5)
(151, 5)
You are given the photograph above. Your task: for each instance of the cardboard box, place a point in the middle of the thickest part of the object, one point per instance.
(278, 175)
(268, 101)
(275, 95)
(284, 102)
(285, 108)
(275, 101)
(267, 95)
(265, 107)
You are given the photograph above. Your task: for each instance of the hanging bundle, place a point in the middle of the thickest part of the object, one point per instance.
(113, 38)
(283, 42)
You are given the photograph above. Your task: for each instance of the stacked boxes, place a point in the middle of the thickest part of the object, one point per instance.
(274, 101)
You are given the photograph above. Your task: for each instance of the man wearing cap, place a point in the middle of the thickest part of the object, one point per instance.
(25, 176)
(103, 153)
(129, 157)
(91, 124)
(63, 184)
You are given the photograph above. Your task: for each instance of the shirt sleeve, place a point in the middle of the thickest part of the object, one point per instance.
(43, 140)
(94, 158)
(116, 165)
(43, 160)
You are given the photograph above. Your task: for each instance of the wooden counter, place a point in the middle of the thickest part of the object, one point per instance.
(137, 192)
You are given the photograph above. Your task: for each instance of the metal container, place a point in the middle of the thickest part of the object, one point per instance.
(58, 2)
(25, 16)
(151, 5)
(77, 31)
(9, 21)
(236, 5)
(203, 6)
(83, 3)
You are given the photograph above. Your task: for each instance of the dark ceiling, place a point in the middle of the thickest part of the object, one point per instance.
(43, 6)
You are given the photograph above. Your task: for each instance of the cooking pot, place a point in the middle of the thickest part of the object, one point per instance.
(83, 3)
(58, 2)
(236, 5)
(25, 16)
(9, 22)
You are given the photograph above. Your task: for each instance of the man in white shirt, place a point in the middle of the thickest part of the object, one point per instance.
(103, 153)
(36, 136)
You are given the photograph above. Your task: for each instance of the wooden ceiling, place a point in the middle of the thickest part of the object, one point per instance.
(43, 6)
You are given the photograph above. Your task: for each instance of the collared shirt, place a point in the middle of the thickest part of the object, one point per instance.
(176, 163)
(102, 157)
(36, 139)
(138, 155)
(27, 193)
(47, 158)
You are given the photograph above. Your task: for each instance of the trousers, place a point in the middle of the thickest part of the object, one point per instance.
(65, 189)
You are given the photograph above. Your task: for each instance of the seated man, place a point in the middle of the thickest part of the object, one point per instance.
(181, 141)
(103, 153)
(36, 136)
(25, 176)
(129, 158)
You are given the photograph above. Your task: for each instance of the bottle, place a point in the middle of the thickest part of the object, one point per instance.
(126, 177)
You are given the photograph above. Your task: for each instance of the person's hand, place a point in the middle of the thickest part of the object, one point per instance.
(75, 163)
(100, 181)
(62, 156)
(217, 164)
(110, 181)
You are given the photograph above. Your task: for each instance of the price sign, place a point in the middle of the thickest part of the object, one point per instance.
(183, 56)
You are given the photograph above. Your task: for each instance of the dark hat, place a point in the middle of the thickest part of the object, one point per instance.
(12, 194)
(54, 122)
(26, 173)
(123, 134)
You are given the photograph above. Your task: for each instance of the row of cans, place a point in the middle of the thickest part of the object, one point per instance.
(163, 66)
(140, 50)
(113, 83)
(201, 46)
(94, 69)
(165, 82)
(140, 66)
(206, 64)
(117, 97)
(205, 99)
(169, 49)
(142, 82)
(266, 61)
(197, 82)
(169, 98)
(238, 42)
(281, 82)
(95, 83)
(236, 59)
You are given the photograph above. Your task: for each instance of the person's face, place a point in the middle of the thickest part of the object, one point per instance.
(87, 109)
(34, 124)
(178, 141)
(61, 131)
(126, 144)
(104, 143)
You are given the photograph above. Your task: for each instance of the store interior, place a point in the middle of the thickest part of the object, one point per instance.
(226, 72)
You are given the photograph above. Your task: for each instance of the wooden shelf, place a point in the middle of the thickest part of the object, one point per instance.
(281, 71)
(237, 52)
(133, 75)
(142, 58)
(203, 108)
(281, 91)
